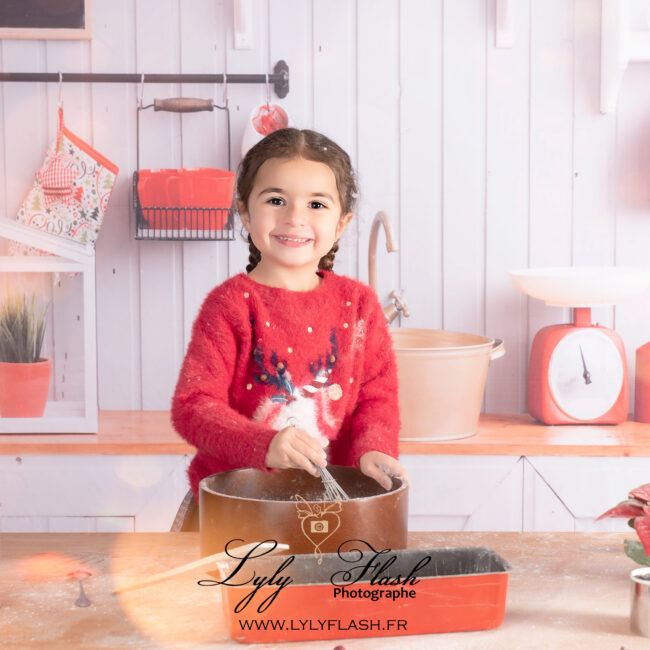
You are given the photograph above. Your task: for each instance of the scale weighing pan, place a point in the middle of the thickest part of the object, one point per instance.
(581, 286)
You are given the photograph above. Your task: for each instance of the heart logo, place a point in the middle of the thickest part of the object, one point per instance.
(318, 521)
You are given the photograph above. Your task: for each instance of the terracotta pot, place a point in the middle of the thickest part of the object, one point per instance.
(24, 388)
(253, 505)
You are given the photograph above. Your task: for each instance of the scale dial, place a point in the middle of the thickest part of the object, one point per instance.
(585, 374)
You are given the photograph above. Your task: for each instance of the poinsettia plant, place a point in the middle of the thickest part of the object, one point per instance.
(636, 508)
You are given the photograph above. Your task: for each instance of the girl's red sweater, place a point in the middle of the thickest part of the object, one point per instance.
(262, 358)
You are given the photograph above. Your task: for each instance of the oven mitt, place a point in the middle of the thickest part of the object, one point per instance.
(71, 191)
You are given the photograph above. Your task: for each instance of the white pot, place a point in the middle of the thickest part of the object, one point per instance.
(640, 608)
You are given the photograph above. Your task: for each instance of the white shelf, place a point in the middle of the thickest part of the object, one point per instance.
(74, 303)
(620, 45)
(59, 417)
(54, 244)
(38, 264)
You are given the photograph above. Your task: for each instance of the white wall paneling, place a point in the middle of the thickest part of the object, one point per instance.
(464, 51)
(243, 98)
(507, 210)
(157, 24)
(551, 152)
(631, 195)
(118, 254)
(486, 159)
(25, 120)
(594, 141)
(420, 157)
(378, 131)
(337, 100)
(204, 144)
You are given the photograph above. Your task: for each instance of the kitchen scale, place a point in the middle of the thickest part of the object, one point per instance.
(578, 371)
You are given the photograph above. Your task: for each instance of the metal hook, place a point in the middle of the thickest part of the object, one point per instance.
(141, 90)
(224, 97)
(268, 91)
(60, 90)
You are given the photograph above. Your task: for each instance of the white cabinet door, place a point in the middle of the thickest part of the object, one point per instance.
(543, 509)
(475, 493)
(464, 492)
(140, 493)
(88, 524)
(566, 493)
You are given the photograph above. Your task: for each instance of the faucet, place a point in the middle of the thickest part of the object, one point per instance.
(396, 306)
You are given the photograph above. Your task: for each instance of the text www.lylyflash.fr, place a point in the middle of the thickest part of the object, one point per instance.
(290, 624)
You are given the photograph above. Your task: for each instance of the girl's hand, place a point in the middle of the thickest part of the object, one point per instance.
(381, 467)
(294, 447)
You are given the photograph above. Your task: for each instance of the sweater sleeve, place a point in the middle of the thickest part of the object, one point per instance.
(376, 422)
(201, 412)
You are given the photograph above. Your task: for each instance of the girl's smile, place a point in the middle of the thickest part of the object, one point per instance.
(291, 241)
(294, 218)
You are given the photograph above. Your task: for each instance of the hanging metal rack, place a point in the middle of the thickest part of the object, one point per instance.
(179, 221)
(165, 220)
(279, 79)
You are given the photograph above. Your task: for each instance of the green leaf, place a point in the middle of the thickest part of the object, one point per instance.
(634, 550)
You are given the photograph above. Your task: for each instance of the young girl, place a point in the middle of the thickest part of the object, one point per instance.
(291, 359)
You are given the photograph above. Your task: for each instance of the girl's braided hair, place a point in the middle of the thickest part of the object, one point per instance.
(296, 143)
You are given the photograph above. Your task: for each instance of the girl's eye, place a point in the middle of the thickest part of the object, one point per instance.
(317, 205)
(276, 200)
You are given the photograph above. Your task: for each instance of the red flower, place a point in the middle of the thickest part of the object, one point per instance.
(637, 508)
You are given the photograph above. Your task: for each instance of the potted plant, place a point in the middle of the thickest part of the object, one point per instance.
(636, 508)
(24, 375)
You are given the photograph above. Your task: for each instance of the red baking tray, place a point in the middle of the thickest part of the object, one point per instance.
(456, 589)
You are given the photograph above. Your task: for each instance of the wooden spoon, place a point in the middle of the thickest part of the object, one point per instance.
(198, 564)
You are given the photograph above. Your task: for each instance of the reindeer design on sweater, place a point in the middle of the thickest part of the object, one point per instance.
(307, 406)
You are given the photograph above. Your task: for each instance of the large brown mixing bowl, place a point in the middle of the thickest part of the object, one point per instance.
(252, 505)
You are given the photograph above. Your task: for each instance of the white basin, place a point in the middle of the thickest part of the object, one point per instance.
(581, 286)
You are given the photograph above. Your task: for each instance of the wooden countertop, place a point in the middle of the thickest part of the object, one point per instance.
(566, 590)
(120, 432)
(521, 435)
(151, 432)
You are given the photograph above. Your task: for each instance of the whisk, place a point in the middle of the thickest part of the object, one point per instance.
(333, 491)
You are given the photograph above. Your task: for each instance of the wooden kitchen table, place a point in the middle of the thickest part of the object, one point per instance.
(566, 590)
